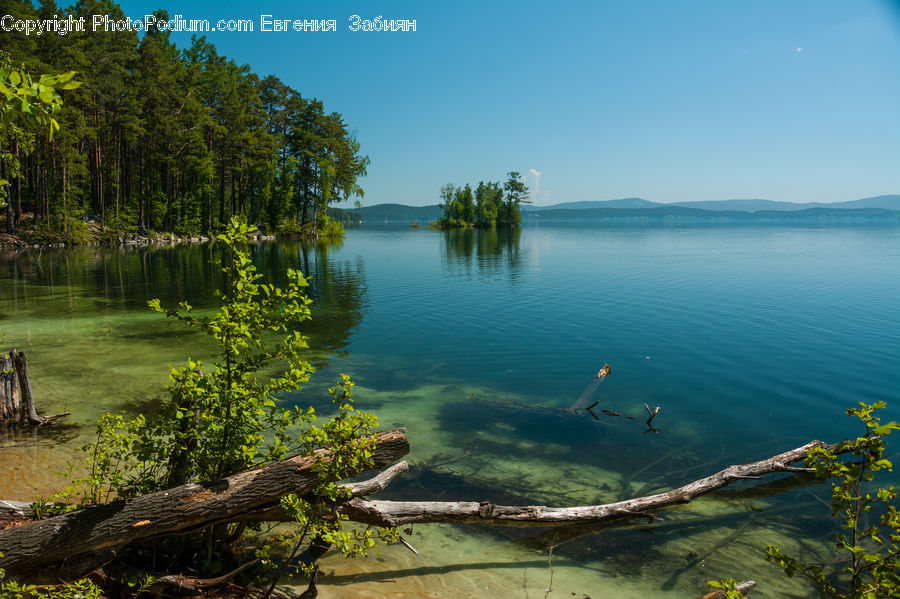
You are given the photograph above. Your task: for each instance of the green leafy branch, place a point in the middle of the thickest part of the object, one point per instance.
(872, 550)
(33, 103)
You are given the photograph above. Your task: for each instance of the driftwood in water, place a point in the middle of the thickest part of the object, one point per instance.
(399, 513)
(253, 496)
(395, 513)
(16, 398)
(30, 546)
(582, 403)
(584, 399)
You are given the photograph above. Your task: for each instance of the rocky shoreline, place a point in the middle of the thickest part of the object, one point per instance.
(122, 239)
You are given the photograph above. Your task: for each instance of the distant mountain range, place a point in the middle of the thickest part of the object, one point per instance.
(687, 214)
(396, 212)
(888, 202)
(886, 207)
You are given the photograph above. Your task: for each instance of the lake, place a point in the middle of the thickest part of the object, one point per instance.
(752, 340)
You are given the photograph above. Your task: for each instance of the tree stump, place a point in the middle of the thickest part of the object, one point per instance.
(9, 389)
(16, 398)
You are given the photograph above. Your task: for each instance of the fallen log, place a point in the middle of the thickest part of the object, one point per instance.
(400, 513)
(397, 513)
(253, 496)
(17, 511)
(30, 546)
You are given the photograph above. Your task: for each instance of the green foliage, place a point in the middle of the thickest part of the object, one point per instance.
(29, 101)
(328, 227)
(488, 199)
(486, 207)
(728, 585)
(516, 193)
(26, 103)
(350, 451)
(871, 549)
(224, 417)
(167, 139)
(80, 589)
(292, 229)
(70, 224)
(110, 460)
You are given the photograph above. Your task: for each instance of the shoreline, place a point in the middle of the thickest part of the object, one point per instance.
(98, 238)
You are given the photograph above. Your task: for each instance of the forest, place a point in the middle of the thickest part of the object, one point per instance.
(158, 138)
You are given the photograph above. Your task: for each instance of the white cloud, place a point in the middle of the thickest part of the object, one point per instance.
(533, 179)
(799, 49)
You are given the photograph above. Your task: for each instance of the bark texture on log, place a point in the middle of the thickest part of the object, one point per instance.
(15, 511)
(36, 544)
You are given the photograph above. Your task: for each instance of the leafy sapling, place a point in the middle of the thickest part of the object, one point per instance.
(871, 549)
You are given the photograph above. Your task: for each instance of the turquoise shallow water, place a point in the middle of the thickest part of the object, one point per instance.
(753, 340)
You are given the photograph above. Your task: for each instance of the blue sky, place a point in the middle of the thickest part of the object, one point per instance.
(794, 100)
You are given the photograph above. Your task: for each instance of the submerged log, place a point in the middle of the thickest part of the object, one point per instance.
(16, 399)
(192, 506)
(253, 496)
(585, 398)
(395, 513)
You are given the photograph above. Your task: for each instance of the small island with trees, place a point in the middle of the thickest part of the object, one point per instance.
(490, 205)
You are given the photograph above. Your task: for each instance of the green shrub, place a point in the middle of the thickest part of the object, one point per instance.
(224, 417)
(870, 549)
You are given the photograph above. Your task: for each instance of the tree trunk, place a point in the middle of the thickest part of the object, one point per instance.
(222, 218)
(18, 188)
(27, 411)
(16, 399)
(4, 174)
(9, 389)
(192, 506)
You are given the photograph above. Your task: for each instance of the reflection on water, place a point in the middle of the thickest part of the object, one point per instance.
(86, 281)
(489, 251)
(753, 341)
(336, 286)
(93, 344)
